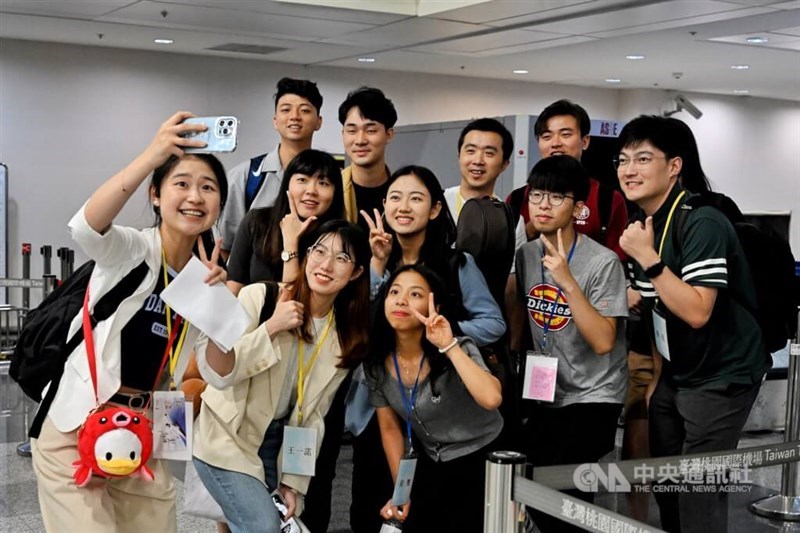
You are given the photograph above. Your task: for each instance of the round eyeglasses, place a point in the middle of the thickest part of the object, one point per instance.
(555, 198)
(319, 253)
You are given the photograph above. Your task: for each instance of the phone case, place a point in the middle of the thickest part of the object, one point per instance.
(221, 135)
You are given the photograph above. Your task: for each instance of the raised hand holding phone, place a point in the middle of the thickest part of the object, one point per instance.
(219, 135)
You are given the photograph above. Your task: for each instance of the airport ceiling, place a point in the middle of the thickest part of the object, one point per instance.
(711, 46)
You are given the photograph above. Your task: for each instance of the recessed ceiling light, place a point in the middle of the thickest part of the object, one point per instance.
(613, 80)
(163, 41)
(366, 59)
(520, 71)
(634, 57)
(757, 40)
(741, 91)
(740, 67)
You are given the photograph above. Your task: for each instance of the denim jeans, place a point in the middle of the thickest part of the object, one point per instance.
(245, 500)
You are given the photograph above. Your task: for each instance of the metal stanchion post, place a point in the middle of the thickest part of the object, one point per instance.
(47, 255)
(63, 254)
(70, 262)
(26, 274)
(786, 505)
(501, 514)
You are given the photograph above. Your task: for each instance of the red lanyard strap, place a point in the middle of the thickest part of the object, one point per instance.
(88, 337)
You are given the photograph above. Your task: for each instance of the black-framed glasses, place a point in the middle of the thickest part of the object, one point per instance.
(555, 198)
(318, 253)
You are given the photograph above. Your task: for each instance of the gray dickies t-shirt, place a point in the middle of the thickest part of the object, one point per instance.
(583, 376)
(449, 425)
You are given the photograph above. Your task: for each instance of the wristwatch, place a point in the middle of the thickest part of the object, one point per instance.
(287, 256)
(655, 270)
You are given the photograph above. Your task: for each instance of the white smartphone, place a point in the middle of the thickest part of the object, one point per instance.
(221, 135)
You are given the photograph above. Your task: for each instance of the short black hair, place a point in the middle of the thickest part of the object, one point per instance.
(493, 125)
(302, 88)
(658, 131)
(373, 105)
(563, 107)
(562, 174)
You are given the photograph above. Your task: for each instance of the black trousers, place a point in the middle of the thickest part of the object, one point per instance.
(448, 497)
(577, 433)
(684, 421)
(317, 511)
(372, 480)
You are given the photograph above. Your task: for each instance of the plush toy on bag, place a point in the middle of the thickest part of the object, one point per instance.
(115, 442)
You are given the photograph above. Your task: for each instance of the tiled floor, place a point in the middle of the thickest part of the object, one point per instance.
(19, 510)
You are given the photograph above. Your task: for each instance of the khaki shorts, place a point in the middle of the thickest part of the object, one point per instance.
(640, 375)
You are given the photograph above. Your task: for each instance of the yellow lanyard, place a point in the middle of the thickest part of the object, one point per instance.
(460, 202)
(666, 227)
(173, 355)
(304, 369)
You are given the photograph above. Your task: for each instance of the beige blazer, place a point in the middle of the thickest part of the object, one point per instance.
(230, 427)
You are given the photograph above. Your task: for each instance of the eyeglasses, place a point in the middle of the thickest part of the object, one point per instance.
(556, 198)
(639, 161)
(319, 253)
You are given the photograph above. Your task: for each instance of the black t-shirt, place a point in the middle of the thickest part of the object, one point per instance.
(246, 264)
(368, 199)
(144, 340)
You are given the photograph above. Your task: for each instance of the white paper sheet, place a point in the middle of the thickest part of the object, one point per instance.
(213, 309)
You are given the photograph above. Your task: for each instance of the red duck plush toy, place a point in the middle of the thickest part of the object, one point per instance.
(115, 442)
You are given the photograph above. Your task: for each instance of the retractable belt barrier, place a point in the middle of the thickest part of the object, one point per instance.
(690, 468)
(574, 511)
(507, 491)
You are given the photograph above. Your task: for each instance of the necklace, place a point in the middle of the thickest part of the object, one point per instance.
(407, 368)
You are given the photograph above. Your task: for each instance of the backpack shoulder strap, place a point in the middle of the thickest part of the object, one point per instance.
(605, 197)
(270, 301)
(515, 200)
(682, 216)
(108, 303)
(255, 180)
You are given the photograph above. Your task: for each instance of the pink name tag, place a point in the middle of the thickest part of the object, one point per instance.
(540, 378)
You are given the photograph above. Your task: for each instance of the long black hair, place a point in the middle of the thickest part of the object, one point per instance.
(383, 339)
(440, 234)
(266, 229)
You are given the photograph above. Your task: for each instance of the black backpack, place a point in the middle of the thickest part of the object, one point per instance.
(42, 347)
(771, 266)
(486, 231)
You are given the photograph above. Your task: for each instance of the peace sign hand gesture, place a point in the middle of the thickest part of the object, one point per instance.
(437, 328)
(217, 273)
(380, 242)
(557, 263)
(292, 227)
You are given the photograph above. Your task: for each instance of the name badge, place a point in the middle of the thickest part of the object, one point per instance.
(660, 331)
(541, 372)
(405, 478)
(172, 426)
(299, 450)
